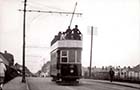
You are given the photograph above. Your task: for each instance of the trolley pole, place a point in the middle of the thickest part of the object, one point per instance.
(73, 14)
(91, 52)
(23, 57)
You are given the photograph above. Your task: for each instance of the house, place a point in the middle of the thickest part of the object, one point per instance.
(134, 72)
(4, 59)
(45, 71)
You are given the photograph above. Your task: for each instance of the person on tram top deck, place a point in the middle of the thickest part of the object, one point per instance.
(76, 33)
(63, 36)
(68, 33)
(59, 35)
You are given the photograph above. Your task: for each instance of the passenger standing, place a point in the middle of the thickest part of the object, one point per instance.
(62, 36)
(2, 73)
(76, 33)
(111, 74)
(59, 35)
(68, 33)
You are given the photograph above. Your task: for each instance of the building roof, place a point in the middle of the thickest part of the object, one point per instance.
(137, 68)
(4, 59)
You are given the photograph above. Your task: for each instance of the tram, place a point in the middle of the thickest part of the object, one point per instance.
(66, 57)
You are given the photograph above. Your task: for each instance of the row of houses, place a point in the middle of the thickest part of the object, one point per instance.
(124, 74)
(128, 73)
(45, 70)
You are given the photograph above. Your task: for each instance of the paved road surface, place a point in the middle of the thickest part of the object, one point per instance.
(47, 84)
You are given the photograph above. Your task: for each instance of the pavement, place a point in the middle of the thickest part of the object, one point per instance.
(132, 85)
(16, 84)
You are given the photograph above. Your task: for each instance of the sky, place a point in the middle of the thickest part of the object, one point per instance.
(117, 23)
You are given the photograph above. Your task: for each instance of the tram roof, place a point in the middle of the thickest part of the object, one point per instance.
(67, 44)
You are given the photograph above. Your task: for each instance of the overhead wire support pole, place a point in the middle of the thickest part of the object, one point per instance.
(73, 14)
(23, 57)
(91, 52)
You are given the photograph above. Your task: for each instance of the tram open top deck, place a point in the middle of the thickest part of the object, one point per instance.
(68, 39)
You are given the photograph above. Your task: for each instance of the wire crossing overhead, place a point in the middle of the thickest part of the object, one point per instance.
(39, 47)
(41, 11)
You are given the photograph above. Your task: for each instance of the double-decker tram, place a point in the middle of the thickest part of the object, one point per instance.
(65, 54)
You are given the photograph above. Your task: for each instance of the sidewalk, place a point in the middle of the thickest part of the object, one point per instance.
(15, 84)
(132, 85)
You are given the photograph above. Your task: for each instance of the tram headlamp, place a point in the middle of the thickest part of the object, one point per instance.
(71, 71)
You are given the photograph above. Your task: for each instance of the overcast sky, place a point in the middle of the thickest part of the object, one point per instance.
(117, 22)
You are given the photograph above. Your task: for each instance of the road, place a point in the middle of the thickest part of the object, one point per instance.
(47, 84)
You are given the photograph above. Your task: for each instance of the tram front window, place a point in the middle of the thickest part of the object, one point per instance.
(64, 53)
(64, 59)
(71, 55)
(64, 56)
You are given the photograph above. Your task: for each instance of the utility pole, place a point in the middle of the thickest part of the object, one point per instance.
(91, 52)
(23, 57)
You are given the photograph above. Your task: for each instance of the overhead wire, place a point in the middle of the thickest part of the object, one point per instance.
(39, 6)
(45, 6)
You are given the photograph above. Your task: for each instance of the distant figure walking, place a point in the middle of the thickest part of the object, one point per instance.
(111, 74)
(2, 73)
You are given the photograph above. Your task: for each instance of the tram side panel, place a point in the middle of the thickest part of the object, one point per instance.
(53, 64)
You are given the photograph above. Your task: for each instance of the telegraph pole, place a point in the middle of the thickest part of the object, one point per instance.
(91, 52)
(23, 57)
